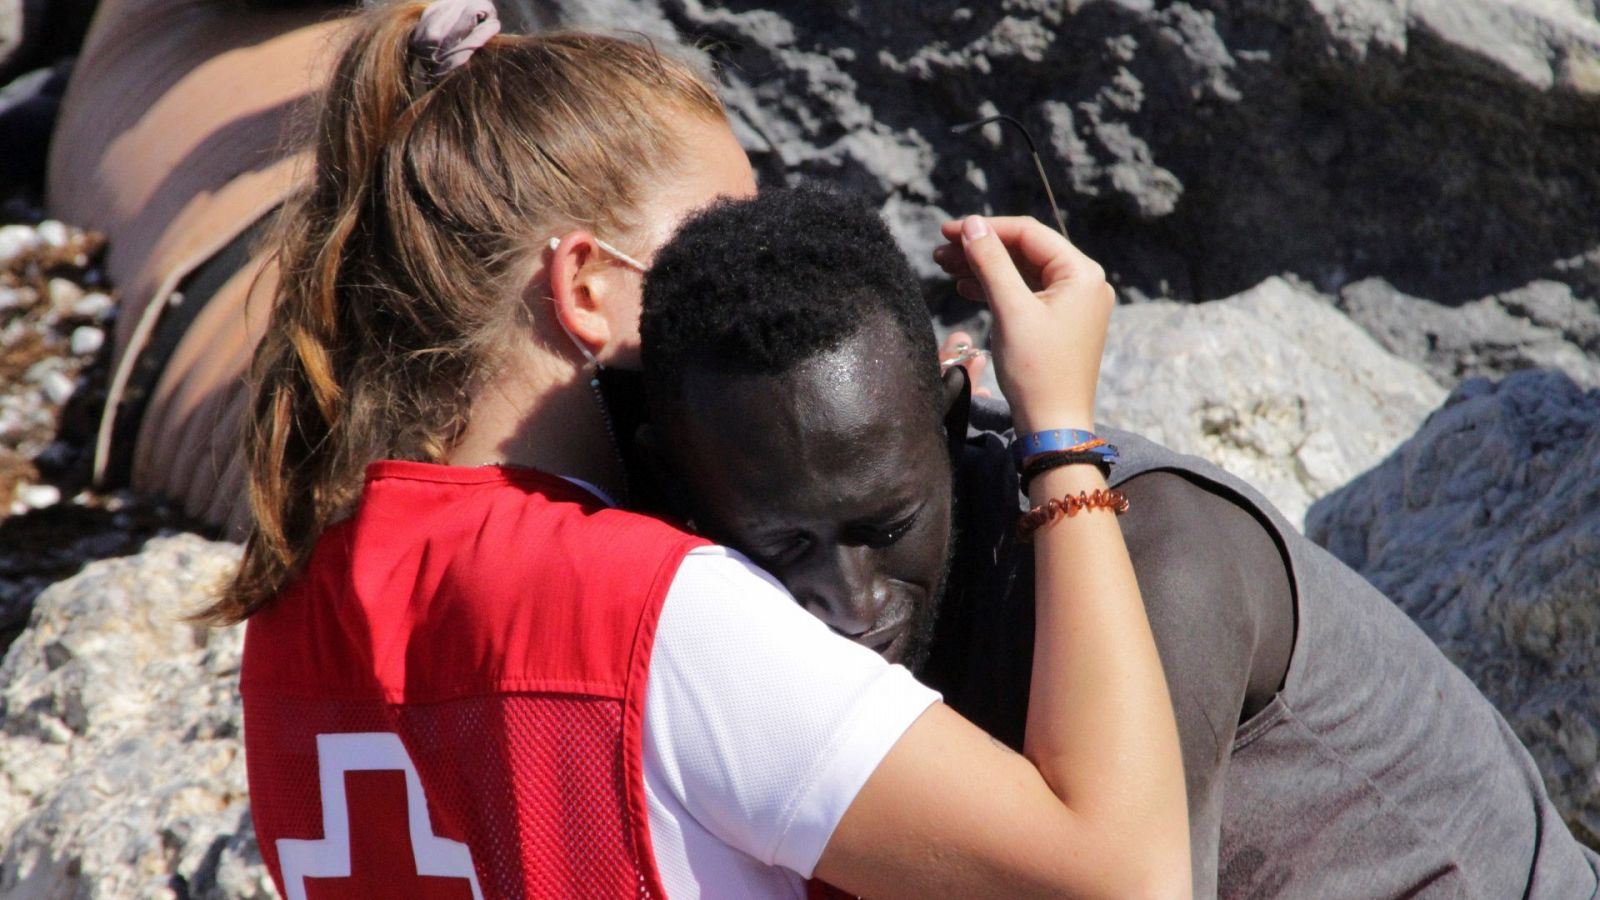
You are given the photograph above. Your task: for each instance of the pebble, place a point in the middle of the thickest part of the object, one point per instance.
(58, 387)
(40, 370)
(53, 233)
(94, 305)
(64, 294)
(39, 496)
(16, 240)
(86, 340)
(12, 297)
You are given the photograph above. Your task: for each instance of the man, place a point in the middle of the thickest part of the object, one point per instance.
(1330, 749)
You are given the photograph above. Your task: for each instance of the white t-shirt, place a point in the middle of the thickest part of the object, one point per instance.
(760, 727)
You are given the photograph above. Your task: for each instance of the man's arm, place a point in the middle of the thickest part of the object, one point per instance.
(1216, 590)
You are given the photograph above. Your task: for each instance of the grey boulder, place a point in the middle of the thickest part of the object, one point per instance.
(1485, 529)
(1542, 325)
(121, 761)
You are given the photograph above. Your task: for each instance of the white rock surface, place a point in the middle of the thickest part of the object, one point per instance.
(1485, 528)
(1272, 385)
(121, 768)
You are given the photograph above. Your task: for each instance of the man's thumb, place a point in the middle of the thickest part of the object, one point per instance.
(991, 263)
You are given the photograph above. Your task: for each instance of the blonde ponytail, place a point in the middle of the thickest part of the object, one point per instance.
(397, 262)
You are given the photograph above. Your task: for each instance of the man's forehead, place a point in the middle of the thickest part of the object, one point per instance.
(863, 383)
(842, 422)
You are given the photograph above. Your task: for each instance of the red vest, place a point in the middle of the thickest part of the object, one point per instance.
(449, 703)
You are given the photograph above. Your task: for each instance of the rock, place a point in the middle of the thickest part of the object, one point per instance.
(87, 340)
(28, 109)
(1485, 528)
(11, 31)
(58, 387)
(39, 496)
(53, 234)
(37, 32)
(1272, 385)
(15, 239)
(1542, 325)
(63, 292)
(94, 305)
(1199, 146)
(12, 298)
(123, 770)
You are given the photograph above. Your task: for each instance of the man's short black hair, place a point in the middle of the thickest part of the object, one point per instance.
(760, 285)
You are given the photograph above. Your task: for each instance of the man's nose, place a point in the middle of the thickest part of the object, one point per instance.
(843, 589)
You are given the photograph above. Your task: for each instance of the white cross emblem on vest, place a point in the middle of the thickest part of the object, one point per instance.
(330, 856)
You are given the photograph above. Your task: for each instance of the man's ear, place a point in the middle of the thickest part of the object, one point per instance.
(957, 409)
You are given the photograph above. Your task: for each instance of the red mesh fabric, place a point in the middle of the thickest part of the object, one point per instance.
(501, 622)
(533, 784)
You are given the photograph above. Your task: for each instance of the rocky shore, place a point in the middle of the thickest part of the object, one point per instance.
(1363, 263)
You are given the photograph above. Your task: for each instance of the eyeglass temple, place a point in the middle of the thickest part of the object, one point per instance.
(1033, 150)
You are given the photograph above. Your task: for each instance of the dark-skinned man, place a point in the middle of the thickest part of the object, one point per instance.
(1330, 749)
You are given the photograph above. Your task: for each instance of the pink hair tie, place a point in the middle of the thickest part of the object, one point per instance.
(450, 30)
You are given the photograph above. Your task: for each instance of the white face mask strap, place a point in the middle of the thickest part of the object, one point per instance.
(579, 344)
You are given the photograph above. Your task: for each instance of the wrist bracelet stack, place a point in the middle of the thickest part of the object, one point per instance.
(1042, 451)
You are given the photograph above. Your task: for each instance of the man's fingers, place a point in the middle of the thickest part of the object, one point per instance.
(991, 264)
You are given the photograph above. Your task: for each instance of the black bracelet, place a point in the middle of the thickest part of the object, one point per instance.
(1040, 465)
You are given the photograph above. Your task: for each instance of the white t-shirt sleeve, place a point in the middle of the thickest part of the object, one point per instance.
(761, 724)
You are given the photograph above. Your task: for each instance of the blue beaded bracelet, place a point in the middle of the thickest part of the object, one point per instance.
(1056, 440)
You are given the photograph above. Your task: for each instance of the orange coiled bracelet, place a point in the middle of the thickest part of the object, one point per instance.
(1070, 505)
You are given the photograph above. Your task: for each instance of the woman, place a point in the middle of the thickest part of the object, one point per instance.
(456, 643)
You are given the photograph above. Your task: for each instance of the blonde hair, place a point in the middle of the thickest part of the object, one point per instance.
(399, 260)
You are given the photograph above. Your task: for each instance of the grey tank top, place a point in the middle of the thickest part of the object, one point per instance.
(1379, 770)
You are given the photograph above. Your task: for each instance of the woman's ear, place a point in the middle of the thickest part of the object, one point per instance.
(573, 265)
(596, 297)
